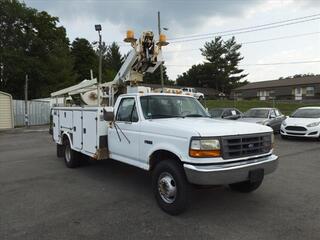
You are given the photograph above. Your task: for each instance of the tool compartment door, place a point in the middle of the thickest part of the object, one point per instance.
(77, 130)
(56, 127)
(65, 119)
(89, 131)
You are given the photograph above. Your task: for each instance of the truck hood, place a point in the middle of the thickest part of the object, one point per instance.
(212, 127)
(300, 121)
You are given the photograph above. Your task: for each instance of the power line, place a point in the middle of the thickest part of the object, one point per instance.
(280, 63)
(253, 42)
(246, 31)
(246, 28)
(256, 64)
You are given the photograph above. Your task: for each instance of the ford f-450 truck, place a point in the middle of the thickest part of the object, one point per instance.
(174, 138)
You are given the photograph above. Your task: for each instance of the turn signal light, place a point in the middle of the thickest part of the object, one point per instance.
(204, 153)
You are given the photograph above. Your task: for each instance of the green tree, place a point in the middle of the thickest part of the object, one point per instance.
(155, 77)
(32, 43)
(84, 58)
(112, 61)
(220, 69)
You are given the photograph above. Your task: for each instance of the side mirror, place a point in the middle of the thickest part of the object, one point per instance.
(272, 116)
(108, 114)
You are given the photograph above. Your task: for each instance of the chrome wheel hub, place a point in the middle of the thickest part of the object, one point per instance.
(67, 153)
(167, 187)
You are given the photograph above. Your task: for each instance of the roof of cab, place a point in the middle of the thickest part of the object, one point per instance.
(156, 94)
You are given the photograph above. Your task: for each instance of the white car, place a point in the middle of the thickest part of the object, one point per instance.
(193, 92)
(304, 122)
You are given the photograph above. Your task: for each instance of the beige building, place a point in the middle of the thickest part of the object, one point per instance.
(6, 111)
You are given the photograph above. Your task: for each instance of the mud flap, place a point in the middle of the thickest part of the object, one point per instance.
(60, 150)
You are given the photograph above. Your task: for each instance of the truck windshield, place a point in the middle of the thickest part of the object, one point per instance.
(306, 113)
(256, 113)
(171, 106)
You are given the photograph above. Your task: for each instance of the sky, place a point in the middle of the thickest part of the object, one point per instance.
(291, 43)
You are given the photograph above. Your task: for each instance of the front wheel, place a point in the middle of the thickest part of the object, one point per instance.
(170, 187)
(245, 187)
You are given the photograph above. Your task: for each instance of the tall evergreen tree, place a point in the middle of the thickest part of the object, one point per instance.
(220, 69)
(84, 58)
(112, 61)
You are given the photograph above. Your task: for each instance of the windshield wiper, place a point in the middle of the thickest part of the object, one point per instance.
(194, 115)
(155, 116)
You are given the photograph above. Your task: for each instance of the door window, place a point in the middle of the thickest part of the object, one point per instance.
(127, 111)
(272, 114)
(227, 113)
(278, 113)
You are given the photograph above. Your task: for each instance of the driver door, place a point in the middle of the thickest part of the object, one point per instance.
(125, 133)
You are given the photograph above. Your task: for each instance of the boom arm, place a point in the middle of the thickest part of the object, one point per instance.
(144, 57)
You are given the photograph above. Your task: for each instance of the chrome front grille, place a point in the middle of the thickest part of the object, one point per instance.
(246, 145)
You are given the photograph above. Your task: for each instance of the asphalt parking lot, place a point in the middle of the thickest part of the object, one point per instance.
(42, 199)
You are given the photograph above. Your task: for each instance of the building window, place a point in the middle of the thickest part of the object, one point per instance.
(298, 90)
(310, 91)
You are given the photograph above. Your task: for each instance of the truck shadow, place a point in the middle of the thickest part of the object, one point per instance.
(135, 183)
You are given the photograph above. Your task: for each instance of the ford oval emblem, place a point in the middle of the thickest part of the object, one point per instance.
(251, 145)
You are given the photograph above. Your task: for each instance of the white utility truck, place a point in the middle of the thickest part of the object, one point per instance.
(170, 135)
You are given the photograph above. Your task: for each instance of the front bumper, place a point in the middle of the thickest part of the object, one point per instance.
(226, 173)
(311, 132)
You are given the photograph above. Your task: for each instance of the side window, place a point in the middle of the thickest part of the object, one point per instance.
(272, 114)
(227, 113)
(237, 112)
(127, 111)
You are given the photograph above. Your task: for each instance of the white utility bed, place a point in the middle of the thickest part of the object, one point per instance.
(86, 137)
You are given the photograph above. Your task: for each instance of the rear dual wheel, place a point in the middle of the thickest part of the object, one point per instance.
(71, 157)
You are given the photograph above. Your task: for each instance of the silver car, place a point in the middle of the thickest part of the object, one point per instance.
(271, 117)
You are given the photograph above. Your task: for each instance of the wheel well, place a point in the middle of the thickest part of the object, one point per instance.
(160, 155)
(65, 139)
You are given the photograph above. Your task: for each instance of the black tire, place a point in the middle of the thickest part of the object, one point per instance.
(201, 98)
(161, 180)
(71, 157)
(245, 187)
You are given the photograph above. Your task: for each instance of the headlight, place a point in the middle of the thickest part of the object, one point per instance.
(201, 148)
(314, 124)
(284, 123)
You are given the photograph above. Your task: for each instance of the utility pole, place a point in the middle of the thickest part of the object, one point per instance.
(26, 115)
(98, 29)
(161, 65)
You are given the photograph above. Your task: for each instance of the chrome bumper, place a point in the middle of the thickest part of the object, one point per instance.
(226, 173)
